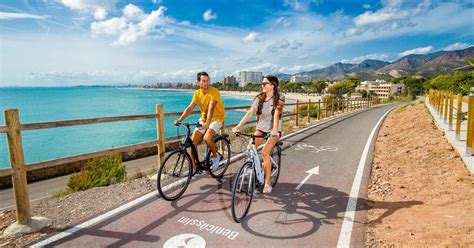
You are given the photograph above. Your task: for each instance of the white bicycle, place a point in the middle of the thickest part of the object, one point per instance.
(252, 176)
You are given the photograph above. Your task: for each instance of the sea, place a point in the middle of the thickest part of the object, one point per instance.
(68, 103)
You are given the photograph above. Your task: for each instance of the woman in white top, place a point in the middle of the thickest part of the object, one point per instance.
(268, 105)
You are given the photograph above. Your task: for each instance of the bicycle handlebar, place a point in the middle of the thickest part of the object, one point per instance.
(265, 136)
(197, 124)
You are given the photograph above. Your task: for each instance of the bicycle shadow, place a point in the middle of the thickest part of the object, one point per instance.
(390, 208)
(295, 213)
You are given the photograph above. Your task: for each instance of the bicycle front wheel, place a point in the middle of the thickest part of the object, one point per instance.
(223, 150)
(174, 175)
(242, 191)
(276, 165)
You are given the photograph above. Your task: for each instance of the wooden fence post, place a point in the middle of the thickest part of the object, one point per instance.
(297, 113)
(309, 111)
(446, 104)
(332, 107)
(451, 106)
(458, 117)
(326, 103)
(319, 109)
(17, 160)
(160, 129)
(441, 106)
(470, 123)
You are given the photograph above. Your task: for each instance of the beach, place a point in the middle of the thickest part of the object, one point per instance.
(289, 96)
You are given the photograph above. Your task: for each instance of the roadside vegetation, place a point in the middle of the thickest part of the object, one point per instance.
(97, 172)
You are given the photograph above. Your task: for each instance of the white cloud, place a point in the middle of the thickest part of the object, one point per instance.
(282, 45)
(132, 12)
(250, 37)
(283, 22)
(299, 68)
(100, 14)
(394, 15)
(375, 56)
(89, 4)
(301, 5)
(366, 6)
(419, 50)
(457, 46)
(97, 8)
(157, 1)
(208, 15)
(10, 16)
(134, 24)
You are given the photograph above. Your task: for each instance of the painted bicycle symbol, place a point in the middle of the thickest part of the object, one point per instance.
(311, 148)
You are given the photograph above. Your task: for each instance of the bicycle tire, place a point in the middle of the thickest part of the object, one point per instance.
(225, 154)
(165, 183)
(239, 189)
(276, 168)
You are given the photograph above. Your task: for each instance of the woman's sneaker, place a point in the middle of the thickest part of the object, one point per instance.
(215, 162)
(267, 189)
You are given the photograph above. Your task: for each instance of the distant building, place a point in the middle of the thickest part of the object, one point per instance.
(300, 78)
(246, 77)
(229, 80)
(381, 88)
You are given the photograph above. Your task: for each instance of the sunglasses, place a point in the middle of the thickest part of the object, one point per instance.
(265, 83)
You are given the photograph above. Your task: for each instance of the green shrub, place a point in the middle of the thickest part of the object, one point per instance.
(303, 110)
(98, 172)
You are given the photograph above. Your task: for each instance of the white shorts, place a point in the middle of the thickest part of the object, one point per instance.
(215, 125)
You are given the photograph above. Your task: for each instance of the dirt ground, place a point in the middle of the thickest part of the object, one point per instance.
(420, 192)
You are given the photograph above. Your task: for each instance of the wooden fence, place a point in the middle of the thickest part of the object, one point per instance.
(443, 103)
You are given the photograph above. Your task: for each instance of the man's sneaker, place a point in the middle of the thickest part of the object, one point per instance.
(267, 189)
(215, 162)
(186, 173)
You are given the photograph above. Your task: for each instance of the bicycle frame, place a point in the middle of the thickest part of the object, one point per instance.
(252, 155)
(188, 142)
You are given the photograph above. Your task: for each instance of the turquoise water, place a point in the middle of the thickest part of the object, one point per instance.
(55, 104)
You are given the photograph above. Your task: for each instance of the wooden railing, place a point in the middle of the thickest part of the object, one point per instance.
(14, 128)
(443, 103)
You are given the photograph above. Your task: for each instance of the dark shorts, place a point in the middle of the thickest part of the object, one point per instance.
(265, 133)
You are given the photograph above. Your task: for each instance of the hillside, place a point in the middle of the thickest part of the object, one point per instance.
(426, 65)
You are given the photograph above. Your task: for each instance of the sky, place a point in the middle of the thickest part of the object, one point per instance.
(95, 42)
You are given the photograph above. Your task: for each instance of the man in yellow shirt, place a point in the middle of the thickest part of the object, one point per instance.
(212, 116)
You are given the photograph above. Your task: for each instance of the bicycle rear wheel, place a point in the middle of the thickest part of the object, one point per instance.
(223, 150)
(174, 175)
(242, 191)
(276, 164)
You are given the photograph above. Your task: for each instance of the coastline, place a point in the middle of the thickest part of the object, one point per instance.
(289, 96)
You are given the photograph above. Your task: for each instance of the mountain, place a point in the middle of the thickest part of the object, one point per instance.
(429, 65)
(341, 70)
(426, 65)
(283, 76)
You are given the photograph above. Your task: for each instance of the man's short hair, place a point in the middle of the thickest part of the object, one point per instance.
(202, 73)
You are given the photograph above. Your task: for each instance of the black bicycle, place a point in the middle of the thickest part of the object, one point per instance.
(176, 171)
(251, 176)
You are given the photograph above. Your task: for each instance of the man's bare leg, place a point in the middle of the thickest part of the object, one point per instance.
(209, 139)
(196, 138)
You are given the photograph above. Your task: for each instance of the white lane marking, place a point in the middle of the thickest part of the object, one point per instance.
(346, 229)
(137, 201)
(301, 146)
(314, 171)
(96, 220)
(186, 240)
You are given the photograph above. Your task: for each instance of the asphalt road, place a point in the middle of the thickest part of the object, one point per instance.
(321, 212)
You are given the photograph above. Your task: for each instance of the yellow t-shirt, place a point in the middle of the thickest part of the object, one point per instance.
(203, 100)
